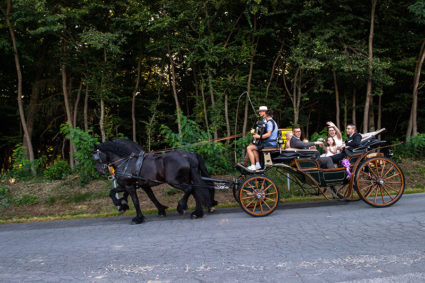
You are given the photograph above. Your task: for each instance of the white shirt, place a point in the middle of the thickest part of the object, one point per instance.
(329, 153)
(338, 142)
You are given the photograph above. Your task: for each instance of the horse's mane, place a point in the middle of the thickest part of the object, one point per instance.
(129, 144)
(116, 148)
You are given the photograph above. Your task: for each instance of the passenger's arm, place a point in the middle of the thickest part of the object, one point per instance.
(296, 143)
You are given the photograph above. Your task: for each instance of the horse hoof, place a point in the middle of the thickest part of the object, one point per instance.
(182, 205)
(180, 209)
(211, 210)
(122, 208)
(195, 215)
(162, 214)
(137, 220)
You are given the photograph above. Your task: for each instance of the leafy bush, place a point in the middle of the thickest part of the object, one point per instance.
(84, 144)
(6, 198)
(322, 134)
(218, 156)
(26, 200)
(21, 166)
(58, 170)
(415, 147)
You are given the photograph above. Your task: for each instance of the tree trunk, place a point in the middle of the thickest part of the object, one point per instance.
(68, 112)
(248, 84)
(210, 86)
(345, 111)
(295, 96)
(102, 103)
(369, 81)
(226, 112)
(412, 128)
(379, 126)
(371, 115)
(204, 107)
(133, 100)
(101, 120)
(338, 111)
(353, 116)
(86, 105)
(19, 98)
(173, 84)
(32, 109)
(77, 100)
(273, 68)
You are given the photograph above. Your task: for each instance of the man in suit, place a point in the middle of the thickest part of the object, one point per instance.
(296, 140)
(353, 142)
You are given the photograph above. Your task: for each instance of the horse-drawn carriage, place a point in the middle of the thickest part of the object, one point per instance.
(372, 176)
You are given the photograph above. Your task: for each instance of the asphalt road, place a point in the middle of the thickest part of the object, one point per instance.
(322, 242)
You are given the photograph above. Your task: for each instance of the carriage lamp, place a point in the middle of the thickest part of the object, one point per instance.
(111, 170)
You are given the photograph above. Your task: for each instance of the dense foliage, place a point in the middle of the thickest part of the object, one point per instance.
(184, 64)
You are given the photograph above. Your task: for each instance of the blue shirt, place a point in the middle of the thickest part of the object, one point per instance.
(273, 137)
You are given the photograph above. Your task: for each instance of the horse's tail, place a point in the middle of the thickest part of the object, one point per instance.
(202, 167)
(198, 184)
(210, 185)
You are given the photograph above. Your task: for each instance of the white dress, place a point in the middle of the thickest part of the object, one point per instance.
(329, 153)
(338, 142)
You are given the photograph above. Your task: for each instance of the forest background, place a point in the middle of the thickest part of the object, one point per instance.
(169, 73)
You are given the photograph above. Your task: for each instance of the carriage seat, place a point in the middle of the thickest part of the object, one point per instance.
(368, 141)
(290, 154)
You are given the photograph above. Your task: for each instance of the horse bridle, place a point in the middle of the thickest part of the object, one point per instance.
(96, 157)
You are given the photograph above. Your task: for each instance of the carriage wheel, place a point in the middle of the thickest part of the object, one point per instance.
(379, 181)
(258, 195)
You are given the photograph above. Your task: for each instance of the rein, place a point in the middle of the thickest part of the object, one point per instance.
(195, 144)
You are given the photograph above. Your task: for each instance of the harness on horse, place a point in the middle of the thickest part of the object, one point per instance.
(138, 167)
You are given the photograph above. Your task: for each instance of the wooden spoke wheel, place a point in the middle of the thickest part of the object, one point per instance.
(258, 195)
(379, 181)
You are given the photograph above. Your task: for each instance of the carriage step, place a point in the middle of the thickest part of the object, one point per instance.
(245, 169)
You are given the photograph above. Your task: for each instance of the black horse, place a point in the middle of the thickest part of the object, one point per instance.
(182, 204)
(122, 203)
(172, 168)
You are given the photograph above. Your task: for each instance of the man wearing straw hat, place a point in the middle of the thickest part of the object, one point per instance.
(268, 139)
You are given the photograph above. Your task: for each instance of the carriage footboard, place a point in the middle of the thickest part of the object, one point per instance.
(219, 184)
